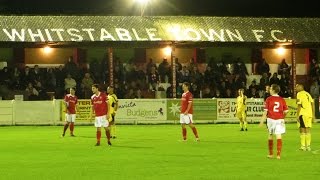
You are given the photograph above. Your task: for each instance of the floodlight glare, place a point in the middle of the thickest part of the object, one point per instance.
(142, 1)
(280, 50)
(47, 49)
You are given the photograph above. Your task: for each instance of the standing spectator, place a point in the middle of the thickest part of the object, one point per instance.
(187, 111)
(36, 74)
(99, 102)
(150, 65)
(263, 67)
(71, 67)
(153, 79)
(15, 78)
(50, 80)
(60, 76)
(163, 70)
(275, 110)
(26, 77)
(71, 103)
(178, 64)
(305, 118)
(314, 68)
(240, 68)
(284, 68)
(315, 89)
(185, 75)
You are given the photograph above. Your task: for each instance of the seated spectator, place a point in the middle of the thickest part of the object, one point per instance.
(42, 92)
(264, 80)
(284, 81)
(285, 92)
(5, 77)
(32, 93)
(229, 94)
(253, 85)
(69, 82)
(86, 85)
(274, 79)
(253, 93)
(218, 94)
(206, 93)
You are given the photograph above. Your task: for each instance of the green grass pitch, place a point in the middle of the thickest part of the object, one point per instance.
(154, 152)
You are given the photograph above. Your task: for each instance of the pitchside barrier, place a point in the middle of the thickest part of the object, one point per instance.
(137, 111)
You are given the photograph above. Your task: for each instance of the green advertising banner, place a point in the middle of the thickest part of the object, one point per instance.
(203, 109)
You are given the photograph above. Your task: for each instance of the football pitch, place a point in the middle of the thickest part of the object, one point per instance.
(154, 152)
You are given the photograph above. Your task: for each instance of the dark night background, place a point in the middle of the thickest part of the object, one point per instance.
(247, 8)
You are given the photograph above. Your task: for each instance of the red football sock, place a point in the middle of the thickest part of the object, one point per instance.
(65, 128)
(71, 127)
(270, 142)
(98, 136)
(279, 146)
(184, 133)
(108, 134)
(194, 130)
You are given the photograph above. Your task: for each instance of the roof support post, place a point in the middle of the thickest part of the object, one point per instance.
(110, 54)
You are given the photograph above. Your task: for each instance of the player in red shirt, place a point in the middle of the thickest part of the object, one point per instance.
(71, 101)
(186, 112)
(99, 102)
(275, 110)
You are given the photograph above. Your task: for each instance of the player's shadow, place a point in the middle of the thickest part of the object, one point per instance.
(88, 137)
(133, 147)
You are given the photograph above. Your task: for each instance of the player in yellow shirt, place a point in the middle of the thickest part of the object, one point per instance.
(241, 110)
(113, 107)
(305, 117)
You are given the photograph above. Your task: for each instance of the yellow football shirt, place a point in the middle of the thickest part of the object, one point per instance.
(241, 103)
(305, 100)
(112, 100)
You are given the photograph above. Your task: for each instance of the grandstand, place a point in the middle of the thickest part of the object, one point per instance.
(150, 58)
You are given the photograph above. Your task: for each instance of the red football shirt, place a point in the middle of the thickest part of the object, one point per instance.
(72, 102)
(276, 106)
(186, 99)
(99, 103)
